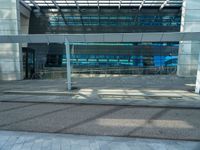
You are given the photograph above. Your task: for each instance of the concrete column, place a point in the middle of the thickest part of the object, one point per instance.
(24, 22)
(197, 90)
(24, 19)
(189, 50)
(10, 54)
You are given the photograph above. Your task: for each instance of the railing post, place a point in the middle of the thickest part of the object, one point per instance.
(67, 47)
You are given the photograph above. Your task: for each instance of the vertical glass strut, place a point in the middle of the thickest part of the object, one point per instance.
(67, 47)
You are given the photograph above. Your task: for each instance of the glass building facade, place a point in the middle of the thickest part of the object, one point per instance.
(107, 20)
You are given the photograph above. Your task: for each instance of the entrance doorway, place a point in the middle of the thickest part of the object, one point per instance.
(28, 62)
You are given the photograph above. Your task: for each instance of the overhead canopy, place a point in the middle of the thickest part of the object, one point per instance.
(106, 37)
(102, 3)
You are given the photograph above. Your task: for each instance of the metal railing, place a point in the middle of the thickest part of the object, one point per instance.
(60, 73)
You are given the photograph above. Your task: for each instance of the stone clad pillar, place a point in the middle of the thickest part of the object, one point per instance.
(189, 50)
(10, 54)
(24, 22)
(197, 90)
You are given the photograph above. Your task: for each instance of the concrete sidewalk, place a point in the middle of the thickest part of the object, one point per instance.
(42, 141)
(166, 91)
(148, 82)
(157, 101)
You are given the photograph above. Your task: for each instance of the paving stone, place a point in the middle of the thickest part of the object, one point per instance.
(61, 142)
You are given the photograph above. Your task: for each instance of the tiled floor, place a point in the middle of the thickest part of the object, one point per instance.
(41, 141)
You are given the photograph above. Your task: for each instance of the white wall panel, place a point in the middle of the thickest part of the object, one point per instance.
(190, 23)
(10, 59)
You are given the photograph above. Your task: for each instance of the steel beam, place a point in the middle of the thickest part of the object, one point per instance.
(77, 4)
(98, 5)
(120, 2)
(164, 4)
(25, 5)
(141, 4)
(102, 37)
(35, 4)
(59, 9)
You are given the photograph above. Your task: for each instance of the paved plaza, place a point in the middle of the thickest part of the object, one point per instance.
(105, 120)
(42, 141)
(122, 112)
(164, 90)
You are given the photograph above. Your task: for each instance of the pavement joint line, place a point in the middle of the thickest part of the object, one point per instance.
(106, 104)
(21, 96)
(36, 116)
(40, 93)
(77, 93)
(117, 137)
(19, 107)
(102, 114)
(138, 95)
